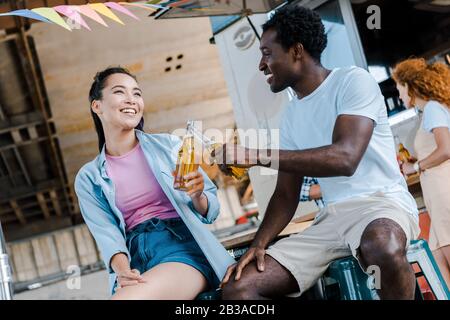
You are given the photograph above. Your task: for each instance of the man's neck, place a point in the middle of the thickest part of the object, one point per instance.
(311, 78)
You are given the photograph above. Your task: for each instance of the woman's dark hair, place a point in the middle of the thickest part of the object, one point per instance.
(95, 93)
(295, 24)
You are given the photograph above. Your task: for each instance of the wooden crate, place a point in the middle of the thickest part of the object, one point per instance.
(24, 267)
(46, 255)
(67, 251)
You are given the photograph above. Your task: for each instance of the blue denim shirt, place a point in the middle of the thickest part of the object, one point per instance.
(96, 196)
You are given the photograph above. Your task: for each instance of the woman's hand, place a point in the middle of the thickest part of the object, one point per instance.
(408, 168)
(195, 183)
(128, 278)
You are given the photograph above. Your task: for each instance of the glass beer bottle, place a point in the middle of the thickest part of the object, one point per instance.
(186, 162)
(210, 145)
(402, 153)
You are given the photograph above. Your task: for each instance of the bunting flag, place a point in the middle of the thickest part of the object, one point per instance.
(25, 13)
(52, 15)
(145, 6)
(119, 8)
(74, 13)
(90, 13)
(104, 10)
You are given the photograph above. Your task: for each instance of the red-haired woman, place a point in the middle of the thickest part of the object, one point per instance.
(427, 87)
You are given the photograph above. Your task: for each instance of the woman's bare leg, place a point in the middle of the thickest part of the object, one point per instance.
(442, 261)
(166, 281)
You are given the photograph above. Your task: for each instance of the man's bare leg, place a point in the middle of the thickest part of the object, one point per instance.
(383, 244)
(275, 281)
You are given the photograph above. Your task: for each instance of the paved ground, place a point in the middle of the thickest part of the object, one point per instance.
(93, 286)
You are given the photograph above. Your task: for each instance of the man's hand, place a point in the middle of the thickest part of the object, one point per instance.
(129, 278)
(235, 155)
(251, 254)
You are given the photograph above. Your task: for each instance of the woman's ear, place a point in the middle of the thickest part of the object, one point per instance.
(95, 106)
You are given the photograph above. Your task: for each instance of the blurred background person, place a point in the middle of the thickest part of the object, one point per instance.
(311, 191)
(427, 87)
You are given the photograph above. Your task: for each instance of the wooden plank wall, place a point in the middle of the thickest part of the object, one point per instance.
(52, 253)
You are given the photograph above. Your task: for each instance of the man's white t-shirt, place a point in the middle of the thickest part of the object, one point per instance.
(308, 122)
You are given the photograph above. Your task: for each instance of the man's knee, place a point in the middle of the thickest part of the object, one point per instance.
(383, 243)
(237, 290)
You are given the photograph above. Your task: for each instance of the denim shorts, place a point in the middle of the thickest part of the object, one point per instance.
(157, 241)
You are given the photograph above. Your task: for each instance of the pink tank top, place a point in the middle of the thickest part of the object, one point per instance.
(137, 192)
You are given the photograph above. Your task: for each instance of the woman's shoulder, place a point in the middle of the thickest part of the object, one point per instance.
(165, 139)
(88, 171)
(435, 106)
(435, 114)
(434, 109)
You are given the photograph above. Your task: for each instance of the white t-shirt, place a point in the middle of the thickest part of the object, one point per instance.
(309, 122)
(435, 115)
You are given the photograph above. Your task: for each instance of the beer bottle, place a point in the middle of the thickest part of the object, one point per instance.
(402, 153)
(186, 162)
(210, 145)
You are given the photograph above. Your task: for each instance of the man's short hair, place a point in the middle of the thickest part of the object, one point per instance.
(295, 24)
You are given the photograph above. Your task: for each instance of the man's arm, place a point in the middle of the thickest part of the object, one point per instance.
(351, 136)
(279, 213)
(281, 208)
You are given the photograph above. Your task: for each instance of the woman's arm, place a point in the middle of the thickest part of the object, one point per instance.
(196, 184)
(441, 153)
(205, 204)
(119, 263)
(125, 276)
(99, 220)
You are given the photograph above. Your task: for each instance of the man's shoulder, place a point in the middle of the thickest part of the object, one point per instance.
(352, 72)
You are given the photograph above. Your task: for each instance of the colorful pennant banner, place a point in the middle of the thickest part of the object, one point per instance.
(72, 17)
(74, 14)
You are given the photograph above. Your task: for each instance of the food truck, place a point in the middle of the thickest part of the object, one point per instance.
(373, 35)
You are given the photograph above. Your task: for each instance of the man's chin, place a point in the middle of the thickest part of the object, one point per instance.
(275, 88)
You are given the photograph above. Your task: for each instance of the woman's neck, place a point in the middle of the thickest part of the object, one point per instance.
(420, 103)
(119, 142)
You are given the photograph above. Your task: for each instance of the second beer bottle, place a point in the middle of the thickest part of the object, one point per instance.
(187, 161)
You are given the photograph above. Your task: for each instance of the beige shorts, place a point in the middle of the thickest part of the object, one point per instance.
(336, 233)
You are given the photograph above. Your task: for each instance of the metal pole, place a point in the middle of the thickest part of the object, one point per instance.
(6, 292)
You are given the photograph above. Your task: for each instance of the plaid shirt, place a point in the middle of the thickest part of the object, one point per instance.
(304, 192)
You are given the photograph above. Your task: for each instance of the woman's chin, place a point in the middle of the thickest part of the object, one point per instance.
(129, 125)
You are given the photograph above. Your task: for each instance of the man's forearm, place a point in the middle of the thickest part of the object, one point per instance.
(326, 161)
(278, 214)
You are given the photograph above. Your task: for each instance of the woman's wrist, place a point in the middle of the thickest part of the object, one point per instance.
(119, 263)
(417, 166)
(200, 203)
